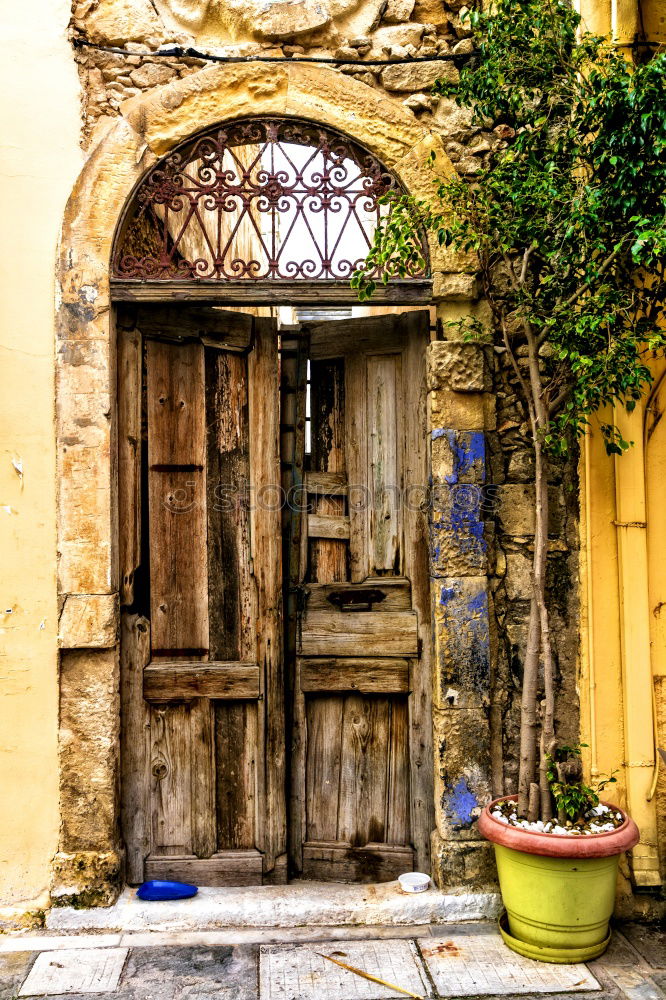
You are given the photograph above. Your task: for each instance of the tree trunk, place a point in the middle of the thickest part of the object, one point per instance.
(528, 713)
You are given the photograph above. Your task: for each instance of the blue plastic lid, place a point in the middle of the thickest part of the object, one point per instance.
(157, 889)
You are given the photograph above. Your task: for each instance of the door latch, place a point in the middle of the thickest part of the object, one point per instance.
(356, 598)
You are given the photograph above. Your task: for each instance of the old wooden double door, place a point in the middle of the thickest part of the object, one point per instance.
(275, 675)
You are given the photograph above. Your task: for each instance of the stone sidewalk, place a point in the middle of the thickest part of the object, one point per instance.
(455, 960)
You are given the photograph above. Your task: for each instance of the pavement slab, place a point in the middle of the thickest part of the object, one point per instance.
(75, 970)
(14, 967)
(300, 973)
(475, 962)
(649, 941)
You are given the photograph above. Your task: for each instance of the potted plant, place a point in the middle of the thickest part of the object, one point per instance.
(567, 219)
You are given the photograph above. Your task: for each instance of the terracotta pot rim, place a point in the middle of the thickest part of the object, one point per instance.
(596, 845)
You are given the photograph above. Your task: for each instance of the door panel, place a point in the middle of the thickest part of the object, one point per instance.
(203, 741)
(361, 754)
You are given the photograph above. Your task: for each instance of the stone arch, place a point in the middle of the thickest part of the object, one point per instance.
(88, 867)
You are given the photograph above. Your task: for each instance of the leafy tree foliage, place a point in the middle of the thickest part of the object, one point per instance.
(569, 224)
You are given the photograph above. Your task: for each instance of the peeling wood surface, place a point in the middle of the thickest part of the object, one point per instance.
(171, 681)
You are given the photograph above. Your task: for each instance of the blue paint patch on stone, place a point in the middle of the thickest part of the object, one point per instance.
(459, 804)
(463, 639)
(458, 544)
(437, 432)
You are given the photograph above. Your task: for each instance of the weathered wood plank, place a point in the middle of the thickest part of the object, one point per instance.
(356, 388)
(397, 594)
(385, 403)
(324, 752)
(415, 553)
(365, 634)
(363, 770)
(338, 862)
(227, 482)
(175, 397)
(202, 742)
(365, 335)
(171, 774)
(135, 744)
(177, 502)
(329, 483)
(178, 577)
(328, 526)
(364, 676)
(129, 459)
(328, 550)
(230, 330)
(398, 798)
(209, 679)
(235, 757)
(291, 293)
(267, 565)
(227, 868)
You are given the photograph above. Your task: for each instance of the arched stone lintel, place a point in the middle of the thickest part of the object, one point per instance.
(148, 127)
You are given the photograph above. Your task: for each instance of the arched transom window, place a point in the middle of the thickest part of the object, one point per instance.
(265, 200)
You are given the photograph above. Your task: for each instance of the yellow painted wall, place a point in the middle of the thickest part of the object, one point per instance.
(39, 159)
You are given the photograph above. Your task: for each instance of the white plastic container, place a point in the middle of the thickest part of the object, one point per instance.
(414, 882)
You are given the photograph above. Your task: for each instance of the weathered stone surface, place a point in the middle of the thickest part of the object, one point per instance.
(384, 126)
(458, 543)
(431, 12)
(462, 766)
(114, 22)
(470, 863)
(89, 621)
(466, 411)
(202, 973)
(151, 75)
(452, 120)
(302, 904)
(457, 456)
(457, 366)
(170, 114)
(419, 173)
(398, 11)
(455, 287)
(462, 642)
(418, 76)
(86, 878)
(396, 34)
(516, 509)
(14, 967)
(89, 750)
(518, 577)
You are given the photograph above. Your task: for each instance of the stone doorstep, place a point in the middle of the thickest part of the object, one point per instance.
(307, 905)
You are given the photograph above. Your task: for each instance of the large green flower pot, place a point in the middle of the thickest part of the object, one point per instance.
(558, 892)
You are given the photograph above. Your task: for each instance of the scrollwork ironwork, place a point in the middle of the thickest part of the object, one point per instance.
(266, 199)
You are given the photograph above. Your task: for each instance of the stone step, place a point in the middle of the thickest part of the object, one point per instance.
(296, 905)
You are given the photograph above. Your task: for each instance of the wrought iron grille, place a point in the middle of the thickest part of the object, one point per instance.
(266, 199)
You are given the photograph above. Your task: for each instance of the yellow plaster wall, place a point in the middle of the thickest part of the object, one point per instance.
(39, 159)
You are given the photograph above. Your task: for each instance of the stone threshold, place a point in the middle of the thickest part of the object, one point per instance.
(305, 905)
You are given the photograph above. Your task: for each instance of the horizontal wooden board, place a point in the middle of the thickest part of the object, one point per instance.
(359, 633)
(172, 680)
(222, 327)
(364, 676)
(341, 862)
(328, 526)
(286, 292)
(225, 868)
(397, 593)
(375, 335)
(327, 483)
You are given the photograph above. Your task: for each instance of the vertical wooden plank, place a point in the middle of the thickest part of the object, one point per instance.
(171, 771)
(356, 394)
(328, 557)
(134, 747)
(267, 567)
(177, 502)
(324, 756)
(384, 462)
(398, 796)
(202, 741)
(235, 755)
(227, 480)
(363, 782)
(415, 465)
(129, 459)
